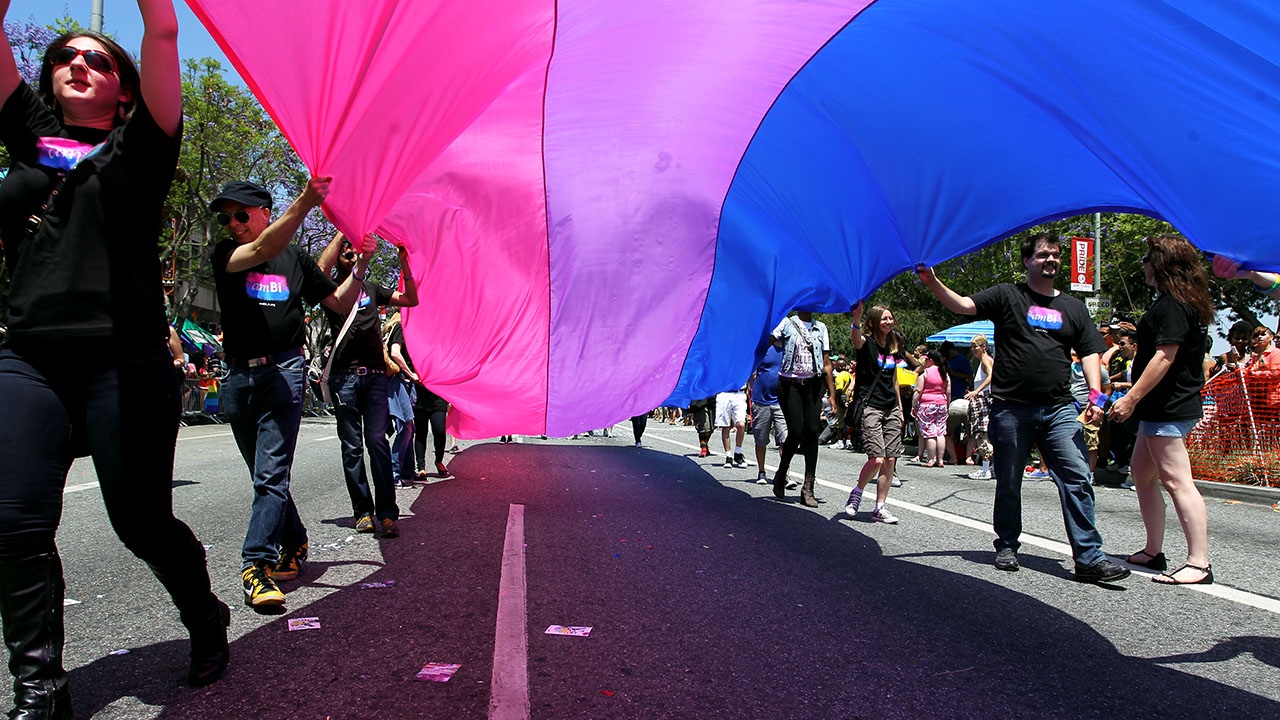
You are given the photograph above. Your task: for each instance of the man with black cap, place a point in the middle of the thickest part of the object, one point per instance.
(262, 281)
(358, 384)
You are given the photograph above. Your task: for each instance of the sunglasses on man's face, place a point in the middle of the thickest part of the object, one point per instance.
(95, 59)
(241, 216)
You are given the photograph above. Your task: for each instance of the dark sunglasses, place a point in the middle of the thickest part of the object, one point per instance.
(95, 59)
(241, 216)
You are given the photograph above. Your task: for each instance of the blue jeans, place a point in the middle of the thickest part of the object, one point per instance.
(264, 407)
(360, 404)
(402, 451)
(1053, 428)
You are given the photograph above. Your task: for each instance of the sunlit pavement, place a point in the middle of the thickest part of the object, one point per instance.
(705, 597)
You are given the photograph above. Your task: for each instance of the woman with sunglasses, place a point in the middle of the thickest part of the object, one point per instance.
(93, 150)
(1166, 400)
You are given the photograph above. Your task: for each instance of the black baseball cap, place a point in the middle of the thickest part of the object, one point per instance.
(243, 192)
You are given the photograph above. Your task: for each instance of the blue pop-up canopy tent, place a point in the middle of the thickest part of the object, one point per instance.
(964, 333)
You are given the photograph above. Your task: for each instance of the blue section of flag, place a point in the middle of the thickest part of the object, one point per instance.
(926, 130)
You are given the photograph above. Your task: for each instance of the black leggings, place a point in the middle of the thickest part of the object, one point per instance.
(422, 419)
(638, 424)
(53, 407)
(801, 402)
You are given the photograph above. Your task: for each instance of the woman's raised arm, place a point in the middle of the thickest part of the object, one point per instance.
(161, 73)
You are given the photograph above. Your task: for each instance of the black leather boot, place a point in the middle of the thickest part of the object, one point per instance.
(780, 483)
(31, 591)
(806, 492)
(202, 613)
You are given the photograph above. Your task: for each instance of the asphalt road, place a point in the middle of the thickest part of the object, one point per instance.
(706, 597)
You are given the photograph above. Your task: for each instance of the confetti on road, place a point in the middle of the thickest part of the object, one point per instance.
(69, 601)
(572, 630)
(119, 652)
(437, 672)
(383, 584)
(308, 623)
(607, 693)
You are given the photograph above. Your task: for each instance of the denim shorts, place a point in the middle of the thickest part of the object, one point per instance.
(1173, 429)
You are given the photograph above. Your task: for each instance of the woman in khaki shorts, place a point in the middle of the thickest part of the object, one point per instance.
(880, 352)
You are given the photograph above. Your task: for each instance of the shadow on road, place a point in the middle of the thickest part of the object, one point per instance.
(706, 602)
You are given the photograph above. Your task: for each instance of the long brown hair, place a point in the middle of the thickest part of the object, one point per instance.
(1178, 271)
(874, 315)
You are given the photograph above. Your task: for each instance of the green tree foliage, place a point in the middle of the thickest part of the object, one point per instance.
(918, 314)
(228, 136)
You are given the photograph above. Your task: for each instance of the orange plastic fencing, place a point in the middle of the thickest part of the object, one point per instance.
(1238, 440)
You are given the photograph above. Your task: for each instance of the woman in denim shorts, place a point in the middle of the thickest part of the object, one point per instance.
(1166, 400)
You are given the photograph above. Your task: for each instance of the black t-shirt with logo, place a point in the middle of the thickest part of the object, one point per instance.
(262, 311)
(362, 346)
(92, 269)
(877, 374)
(1035, 335)
(1170, 321)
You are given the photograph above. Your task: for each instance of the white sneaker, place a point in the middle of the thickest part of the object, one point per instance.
(638, 445)
(792, 483)
(895, 482)
(728, 461)
(855, 499)
(883, 515)
(762, 479)
(980, 474)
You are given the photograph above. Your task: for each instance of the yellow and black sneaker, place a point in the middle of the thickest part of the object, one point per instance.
(290, 564)
(259, 589)
(389, 528)
(365, 524)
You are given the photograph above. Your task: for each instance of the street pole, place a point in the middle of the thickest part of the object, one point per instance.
(1097, 253)
(95, 20)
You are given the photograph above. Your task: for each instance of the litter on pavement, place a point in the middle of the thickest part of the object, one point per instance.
(437, 672)
(310, 623)
(575, 631)
(383, 584)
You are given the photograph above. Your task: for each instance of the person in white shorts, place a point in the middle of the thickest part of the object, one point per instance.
(731, 411)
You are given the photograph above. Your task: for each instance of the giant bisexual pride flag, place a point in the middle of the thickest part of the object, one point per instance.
(608, 204)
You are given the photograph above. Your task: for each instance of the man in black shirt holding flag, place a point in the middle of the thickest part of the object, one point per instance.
(1037, 327)
(262, 281)
(358, 384)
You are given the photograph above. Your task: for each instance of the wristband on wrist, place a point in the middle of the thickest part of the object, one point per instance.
(357, 276)
(1267, 291)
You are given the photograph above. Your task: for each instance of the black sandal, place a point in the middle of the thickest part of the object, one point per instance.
(1206, 580)
(1155, 562)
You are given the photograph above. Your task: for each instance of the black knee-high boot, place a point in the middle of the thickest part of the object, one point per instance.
(202, 613)
(31, 591)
